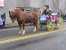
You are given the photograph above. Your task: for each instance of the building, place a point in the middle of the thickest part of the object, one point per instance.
(8, 4)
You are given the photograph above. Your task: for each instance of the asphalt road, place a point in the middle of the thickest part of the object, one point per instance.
(54, 41)
(11, 32)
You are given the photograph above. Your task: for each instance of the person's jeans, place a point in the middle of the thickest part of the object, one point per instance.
(43, 22)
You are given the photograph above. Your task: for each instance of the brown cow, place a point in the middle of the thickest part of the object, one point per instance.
(23, 18)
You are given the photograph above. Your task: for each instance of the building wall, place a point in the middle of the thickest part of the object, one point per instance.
(58, 4)
(8, 5)
(20, 3)
(38, 3)
(23, 3)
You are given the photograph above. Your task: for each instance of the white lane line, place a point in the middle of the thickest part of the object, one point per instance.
(27, 37)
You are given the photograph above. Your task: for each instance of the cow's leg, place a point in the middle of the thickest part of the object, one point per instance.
(34, 22)
(20, 29)
(36, 28)
(23, 29)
